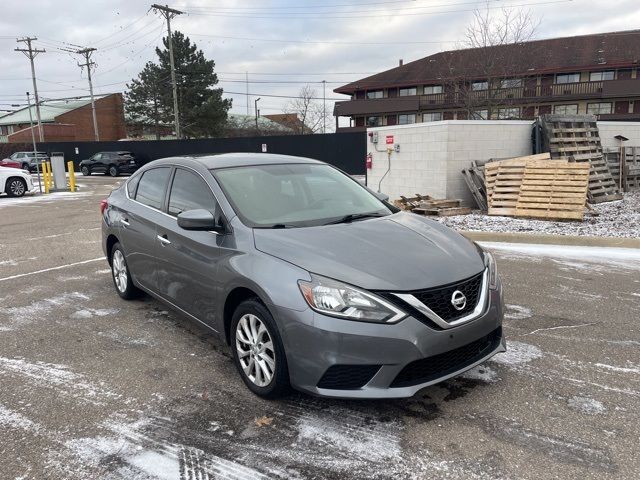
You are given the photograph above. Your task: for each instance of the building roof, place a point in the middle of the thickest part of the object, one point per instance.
(602, 50)
(49, 110)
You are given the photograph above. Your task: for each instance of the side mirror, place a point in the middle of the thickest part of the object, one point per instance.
(199, 219)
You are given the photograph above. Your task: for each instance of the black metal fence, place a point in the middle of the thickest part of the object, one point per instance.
(344, 150)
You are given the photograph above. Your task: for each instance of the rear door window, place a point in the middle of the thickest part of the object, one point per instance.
(189, 192)
(152, 186)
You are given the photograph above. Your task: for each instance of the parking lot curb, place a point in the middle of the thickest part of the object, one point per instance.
(506, 237)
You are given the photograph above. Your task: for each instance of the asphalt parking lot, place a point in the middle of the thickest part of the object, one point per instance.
(92, 386)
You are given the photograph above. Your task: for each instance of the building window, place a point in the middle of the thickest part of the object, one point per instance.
(431, 89)
(567, 78)
(375, 94)
(511, 83)
(405, 92)
(479, 115)
(599, 76)
(599, 108)
(432, 117)
(406, 119)
(373, 121)
(565, 109)
(480, 86)
(509, 113)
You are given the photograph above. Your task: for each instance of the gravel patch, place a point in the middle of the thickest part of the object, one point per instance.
(616, 219)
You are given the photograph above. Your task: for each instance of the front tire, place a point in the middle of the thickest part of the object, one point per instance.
(15, 187)
(113, 171)
(85, 171)
(258, 352)
(121, 275)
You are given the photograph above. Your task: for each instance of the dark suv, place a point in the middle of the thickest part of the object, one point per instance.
(112, 163)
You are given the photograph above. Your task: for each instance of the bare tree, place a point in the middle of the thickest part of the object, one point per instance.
(308, 110)
(495, 70)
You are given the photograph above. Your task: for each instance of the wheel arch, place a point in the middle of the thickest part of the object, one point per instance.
(111, 241)
(235, 297)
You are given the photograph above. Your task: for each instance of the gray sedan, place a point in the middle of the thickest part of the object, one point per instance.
(314, 281)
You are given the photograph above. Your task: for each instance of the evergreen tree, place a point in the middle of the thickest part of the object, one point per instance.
(203, 111)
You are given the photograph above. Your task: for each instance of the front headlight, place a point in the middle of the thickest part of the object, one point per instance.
(490, 262)
(338, 299)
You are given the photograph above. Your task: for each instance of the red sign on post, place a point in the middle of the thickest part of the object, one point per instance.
(389, 139)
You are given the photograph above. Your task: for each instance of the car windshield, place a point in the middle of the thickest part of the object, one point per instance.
(296, 195)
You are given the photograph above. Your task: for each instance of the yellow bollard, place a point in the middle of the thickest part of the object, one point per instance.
(45, 178)
(50, 176)
(72, 176)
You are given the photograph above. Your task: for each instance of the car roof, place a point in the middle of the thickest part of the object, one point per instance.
(225, 160)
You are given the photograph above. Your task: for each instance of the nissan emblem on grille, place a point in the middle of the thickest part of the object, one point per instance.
(458, 300)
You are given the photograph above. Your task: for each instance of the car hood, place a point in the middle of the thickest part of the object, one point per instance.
(399, 252)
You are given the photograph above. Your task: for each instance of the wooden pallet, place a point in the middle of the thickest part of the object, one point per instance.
(602, 186)
(503, 179)
(409, 203)
(624, 164)
(474, 178)
(553, 190)
(576, 138)
(440, 207)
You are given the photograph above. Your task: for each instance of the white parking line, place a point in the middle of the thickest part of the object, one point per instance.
(60, 267)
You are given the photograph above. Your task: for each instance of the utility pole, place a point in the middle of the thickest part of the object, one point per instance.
(247, 82)
(324, 107)
(257, 111)
(168, 14)
(31, 53)
(86, 53)
(33, 140)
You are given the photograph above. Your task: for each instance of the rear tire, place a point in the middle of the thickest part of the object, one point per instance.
(15, 187)
(121, 275)
(113, 171)
(266, 355)
(85, 171)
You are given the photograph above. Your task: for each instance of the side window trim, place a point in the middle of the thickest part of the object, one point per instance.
(164, 194)
(217, 208)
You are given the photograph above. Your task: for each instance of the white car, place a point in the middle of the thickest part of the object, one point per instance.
(14, 182)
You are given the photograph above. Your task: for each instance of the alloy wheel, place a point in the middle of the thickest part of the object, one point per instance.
(119, 269)
(17, 187)
(255, 350)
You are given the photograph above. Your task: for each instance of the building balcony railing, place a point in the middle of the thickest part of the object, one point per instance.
(515, 95)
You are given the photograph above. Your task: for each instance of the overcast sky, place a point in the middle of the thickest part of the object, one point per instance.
(283, 44)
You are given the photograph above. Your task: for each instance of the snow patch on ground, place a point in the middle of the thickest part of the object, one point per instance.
(39, 199)
(483, 373)
(93, 312)
(586, 405)
(633, 370)
(615, 219)
(8, 263)
(103, 271)
(517, 353)
(574, 257)
(517, 312)
(37, 309)
(141, 457)
(375, 445)
(57, 377)
(12, 419)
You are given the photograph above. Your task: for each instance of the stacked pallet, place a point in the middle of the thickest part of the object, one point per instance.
(474, 177)
(624, 164)
(537, 187)
(426, 205)
(576, 138)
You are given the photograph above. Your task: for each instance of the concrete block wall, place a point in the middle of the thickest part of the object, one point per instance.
(433, 154)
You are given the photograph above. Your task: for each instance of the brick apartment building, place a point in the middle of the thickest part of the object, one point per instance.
(67, 120)
(596, 74)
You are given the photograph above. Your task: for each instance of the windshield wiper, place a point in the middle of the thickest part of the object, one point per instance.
(278, 225)
(355, 216)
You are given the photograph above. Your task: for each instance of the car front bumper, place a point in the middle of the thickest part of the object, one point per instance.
(315, 342)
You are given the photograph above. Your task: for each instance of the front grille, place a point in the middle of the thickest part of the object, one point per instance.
(347, 377)
(439, 299)
(431, 368)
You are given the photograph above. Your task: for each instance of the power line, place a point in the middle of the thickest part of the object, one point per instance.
(324, 16)
(321, 42)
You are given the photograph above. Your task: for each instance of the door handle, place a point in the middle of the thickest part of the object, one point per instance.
(163, 240)
(124, 222)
